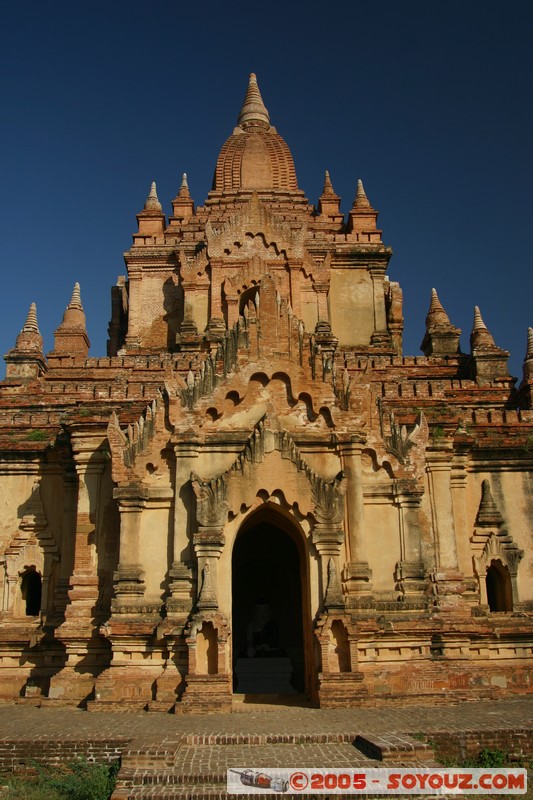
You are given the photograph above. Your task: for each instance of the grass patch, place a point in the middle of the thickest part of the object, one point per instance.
(37, 436)
(488, 759)
(77, 780)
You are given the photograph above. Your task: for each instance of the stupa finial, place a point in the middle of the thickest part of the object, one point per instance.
(31, 326)
(478, 325)
(328, 186)
(184, 188)
(152, 201)
(361, 200)
(253, 112)
(75, 301)
(436, 314)
(480, 336)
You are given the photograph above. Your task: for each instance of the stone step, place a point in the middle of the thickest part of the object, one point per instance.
(392, 747)
(215, 791)
(197, 767)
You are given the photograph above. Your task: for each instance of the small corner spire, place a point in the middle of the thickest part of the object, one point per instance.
(480, 336)
(437, 316)
(152, 201)
(26, 360)
(253, 112)
(435, 304)
(479, 325)
(328, 186)
(31, 326)
(361, 200)
(184, 188)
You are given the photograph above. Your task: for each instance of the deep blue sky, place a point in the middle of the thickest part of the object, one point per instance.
(428, 102)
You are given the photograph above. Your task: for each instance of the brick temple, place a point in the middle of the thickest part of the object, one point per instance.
(255, 491)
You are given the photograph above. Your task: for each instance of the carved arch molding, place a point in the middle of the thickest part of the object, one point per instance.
(212, 496)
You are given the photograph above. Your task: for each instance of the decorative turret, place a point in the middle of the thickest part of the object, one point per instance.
(152, 201)
(183, 204)
(488, 362)
(151, 219)
(71, 336)
(362, 221)
(480, 336)
(329, 202)
(441, 337)
(26, 360)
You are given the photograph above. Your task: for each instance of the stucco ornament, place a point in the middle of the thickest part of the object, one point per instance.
(211, 500)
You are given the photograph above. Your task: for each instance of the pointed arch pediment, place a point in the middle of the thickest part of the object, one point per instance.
(287, 473)
(497, 549)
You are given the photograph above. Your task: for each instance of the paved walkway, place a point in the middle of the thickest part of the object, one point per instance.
(185, 757)
(23, 722)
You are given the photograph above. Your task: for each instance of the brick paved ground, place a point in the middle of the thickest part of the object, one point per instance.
(21, 722)
(186, 756)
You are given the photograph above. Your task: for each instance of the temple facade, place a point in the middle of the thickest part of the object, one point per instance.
(255, 492)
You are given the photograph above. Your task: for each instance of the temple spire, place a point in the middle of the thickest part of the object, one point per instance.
(328, 186)
(26, 360)
(253, 111)
(480, 336)
(441, 337)
(70, 338)
(436, 314)
(361, 200)
(152, 201)
(31, 326)
(362, 219)
(329, 204)
(184, 188)
(182, 205)
(488, 361)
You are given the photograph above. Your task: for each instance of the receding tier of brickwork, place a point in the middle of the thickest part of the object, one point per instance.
(255, 491)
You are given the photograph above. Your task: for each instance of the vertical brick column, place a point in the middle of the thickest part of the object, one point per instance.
(357, 573)
(128, 577)
(83, 593)
(180, 600)
(216, 325)
(85, 651)
(295, 273)
(410, 569)
(133, 337)
(381, 334)
(322, 289)
(446, 577)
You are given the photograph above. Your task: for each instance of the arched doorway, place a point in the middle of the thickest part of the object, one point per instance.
(499, 589)
(270, 609)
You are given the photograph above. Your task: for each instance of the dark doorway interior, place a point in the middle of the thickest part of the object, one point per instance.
(31, 588)
(499, 589)
(266, 567)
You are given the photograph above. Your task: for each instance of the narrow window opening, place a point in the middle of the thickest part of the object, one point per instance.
(31, 588)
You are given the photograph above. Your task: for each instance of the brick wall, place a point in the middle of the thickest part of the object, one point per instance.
(15, 753)
(459, 745)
